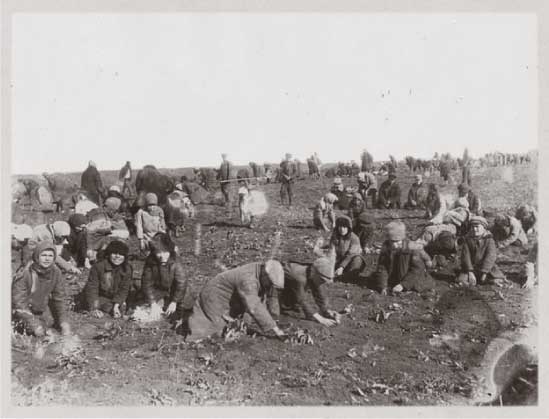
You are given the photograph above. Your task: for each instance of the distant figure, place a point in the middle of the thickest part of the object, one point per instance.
(474, 201)
(224, 176)
(92, 184)
(367, 161)
(444, 168)
(286, 179)
(466, 173)
(416, 194)
(125, 176)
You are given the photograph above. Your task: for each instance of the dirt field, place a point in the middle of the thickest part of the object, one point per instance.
(399, 361)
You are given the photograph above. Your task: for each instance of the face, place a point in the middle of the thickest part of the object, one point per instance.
(478, 230)
(162, 257)
(46, 258)
(343, 230)
(117, 259)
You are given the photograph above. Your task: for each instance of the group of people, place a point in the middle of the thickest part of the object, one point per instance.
(96, 237)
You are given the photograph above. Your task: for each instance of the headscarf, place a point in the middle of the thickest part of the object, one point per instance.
(343, 221)
(162, 242)
(396, 231)
(41, 247)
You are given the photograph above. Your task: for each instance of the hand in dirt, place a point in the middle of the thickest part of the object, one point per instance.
(171, 308)
(65, 329)
(472, 279)
(335, 316)
(338, 272)
(87, 264)
(482, 279)
(398, 288)
(116, 311)
(326, 322)
(98, 314)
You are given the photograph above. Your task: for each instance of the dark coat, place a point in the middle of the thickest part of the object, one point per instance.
(478, 255)
(108, 281)
(474, 203)
(389, 195)
(33, 293)
(149, 179)
(286, 172)
(164, 281)
(295, 291)
(405, 266)
(367, 162)
(92, 184)
(416, 196)
(345, 248)
(224, 171)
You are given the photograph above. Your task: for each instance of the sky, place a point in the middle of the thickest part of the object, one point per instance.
(178, 89)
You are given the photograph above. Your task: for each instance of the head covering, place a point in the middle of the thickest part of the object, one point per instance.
(477, 219)
(463, 188)
(77, 220)
(113, 203)
(115, 188)
(275, 272)
(21, 232)
(61, 228)
(446, 240)
(118, 247)
(151, 199)
(419, 178)
(92, 164)
(41, 247)
(330, 198)
(338, 181)
(288, 155)
(162, 242)
(357, 195)
(395, 230)
(343, 221)
(223, 155)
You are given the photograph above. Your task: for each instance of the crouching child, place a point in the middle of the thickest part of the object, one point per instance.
(163, 282)
(38, 293)
(109, 282)
(402, 265)
(478, 255)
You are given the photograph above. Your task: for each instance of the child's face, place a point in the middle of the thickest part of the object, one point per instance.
(343, 230)
(46, 258)
(478, 230)
(117, 259)
(162, 256)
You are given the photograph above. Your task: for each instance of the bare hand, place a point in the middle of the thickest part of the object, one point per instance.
(338, 272)
(116, 311)
(326, 322)
(65, 329)
(171, 308)
(398, 288)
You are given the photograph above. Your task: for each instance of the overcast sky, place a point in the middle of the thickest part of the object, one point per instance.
(176, 90)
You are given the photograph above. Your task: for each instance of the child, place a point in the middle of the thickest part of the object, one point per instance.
(109, 282)
(325, 208)
(39, 290)
(163, 281)
(478, 255)
(346, 245)
(149, 221)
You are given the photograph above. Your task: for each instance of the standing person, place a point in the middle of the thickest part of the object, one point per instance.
(401, 265)
(444, 168)
(356, 206)
(224, 176)
(286, 179)
(149, 221)
(367, 161)
(346, 245)
(478, 255)
(233, 293)
(38, 293)
(164, 284)
(92, 184)
(109, 282)
(125, 176)
(466, 173)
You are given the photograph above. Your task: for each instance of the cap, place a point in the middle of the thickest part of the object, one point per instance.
(275, 272)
